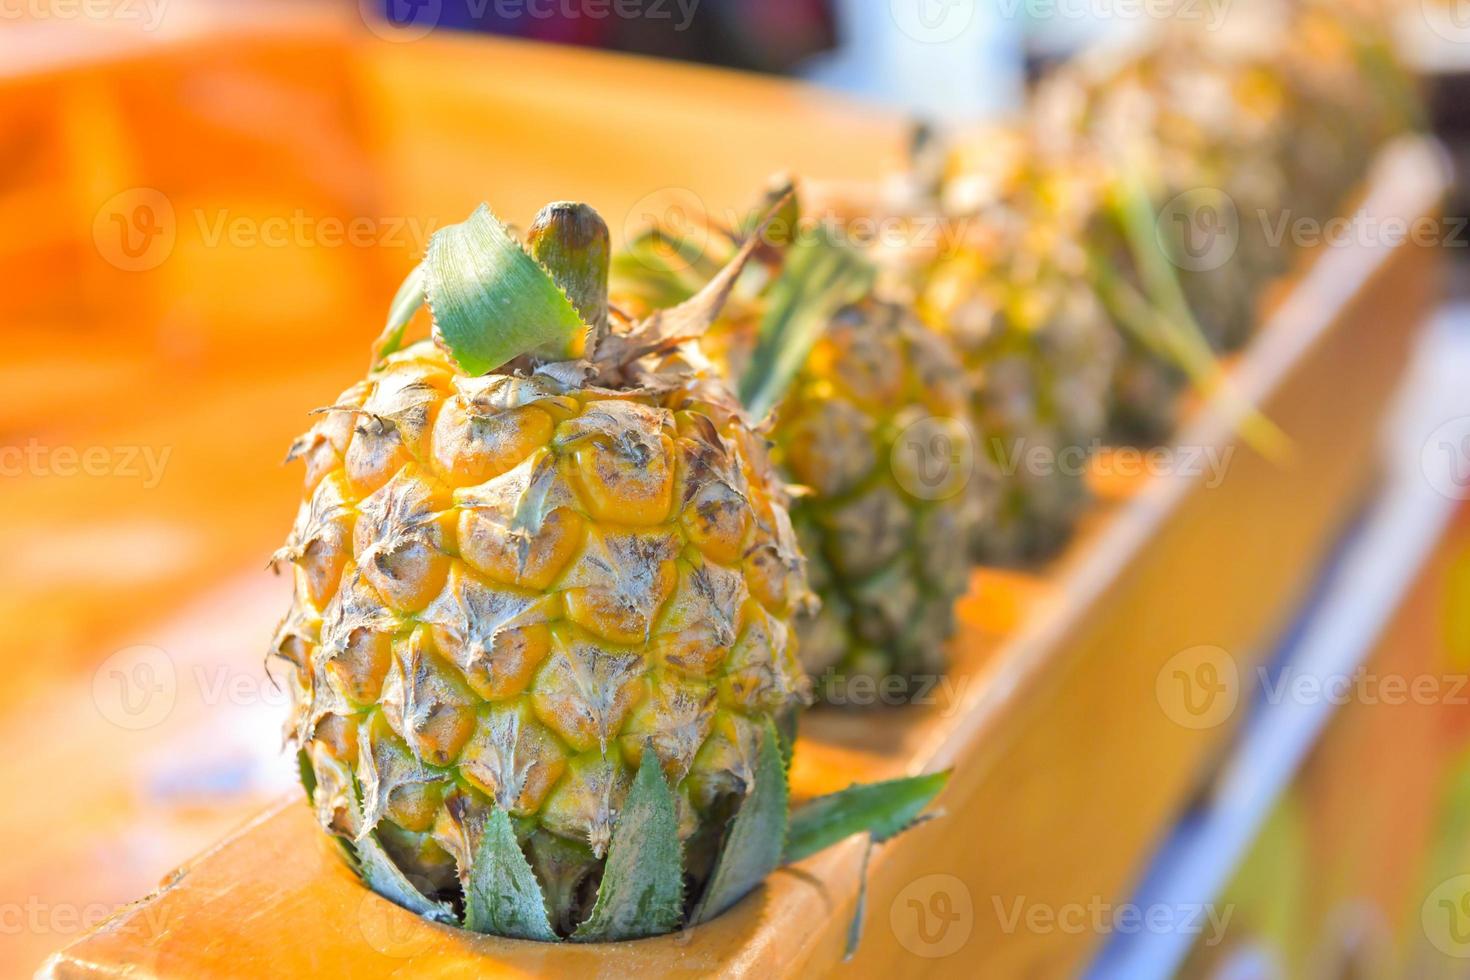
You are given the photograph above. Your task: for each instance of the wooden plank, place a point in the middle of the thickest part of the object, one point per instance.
(1073, 749)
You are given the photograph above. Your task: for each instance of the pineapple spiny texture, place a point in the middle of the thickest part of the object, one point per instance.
(509, 587)
(887, 558)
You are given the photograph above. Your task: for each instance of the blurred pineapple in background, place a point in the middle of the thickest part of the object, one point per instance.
(886, 548)
(1348, 93)
(1228, 138)
(1011, 288)
(988, 237)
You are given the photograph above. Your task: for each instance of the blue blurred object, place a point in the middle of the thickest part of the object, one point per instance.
(942, 60)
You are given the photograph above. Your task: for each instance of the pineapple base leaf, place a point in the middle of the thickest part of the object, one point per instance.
(385, 878)
(860, 910)
(642, 889)
(883, 810)
(757, 834)
(502, 896)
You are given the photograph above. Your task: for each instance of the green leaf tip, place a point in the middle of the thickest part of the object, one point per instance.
(777, 215)
(642, 889)
(757, 834)
(492, 302)
(860, 908)
(883, 810)
(502, 895)
(406, 303)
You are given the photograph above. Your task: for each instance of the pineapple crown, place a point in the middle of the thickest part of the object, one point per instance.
(496, 304)
(807, 278)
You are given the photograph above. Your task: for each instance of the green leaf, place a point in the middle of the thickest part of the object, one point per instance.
(406, 303)
(385, 878)
(860, 910)
(757, 834)
(662, 268)
(502, 896)
(642, 890)
(786, 726)
(818, 279)
(348, 852)
(1162, 318)
(881, 809)
(490, 300)
(308, 775)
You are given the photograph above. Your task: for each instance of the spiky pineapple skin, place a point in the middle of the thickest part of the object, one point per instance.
(887, 564)
(506, 587)
(1015, 300)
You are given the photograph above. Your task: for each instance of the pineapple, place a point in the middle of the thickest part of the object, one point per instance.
(1215, 122)
(866, 386)
(1346, 94)
(1230, 136)
(1177, 148)
(993, 259)
(541, 640)
(1014, 294)
(886, 514)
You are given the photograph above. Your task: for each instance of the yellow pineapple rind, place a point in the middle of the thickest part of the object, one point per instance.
(509, 588)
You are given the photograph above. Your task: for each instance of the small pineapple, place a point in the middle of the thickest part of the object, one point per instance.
(1204, 127)
(1346, 94)
(865, 387)
(1138, 139)
(1226, 137)
(886, 513)
(544, 589)
(1014, 294)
